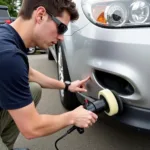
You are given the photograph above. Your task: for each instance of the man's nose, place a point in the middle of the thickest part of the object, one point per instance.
(60, 37)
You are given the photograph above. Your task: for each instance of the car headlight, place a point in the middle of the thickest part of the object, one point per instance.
(117, 13)
(139, 11)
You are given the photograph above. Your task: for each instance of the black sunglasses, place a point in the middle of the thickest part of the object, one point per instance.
(61, 27)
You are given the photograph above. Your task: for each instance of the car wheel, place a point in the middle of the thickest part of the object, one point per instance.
(50, 56)
(32, 50)
(68, 99)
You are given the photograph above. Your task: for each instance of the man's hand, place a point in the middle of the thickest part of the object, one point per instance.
(78, 86)
(83, 118)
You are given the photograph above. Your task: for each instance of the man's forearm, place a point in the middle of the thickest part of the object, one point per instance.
(49, 124)
(44, 81)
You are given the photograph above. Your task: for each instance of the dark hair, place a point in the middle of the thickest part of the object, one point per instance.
(55, 7)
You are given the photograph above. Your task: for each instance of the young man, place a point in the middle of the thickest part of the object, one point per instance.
(39, 23)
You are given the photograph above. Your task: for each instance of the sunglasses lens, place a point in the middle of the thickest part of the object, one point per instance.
(62, 28)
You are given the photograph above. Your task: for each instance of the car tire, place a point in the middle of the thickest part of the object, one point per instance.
(68, 99)
(50, 56)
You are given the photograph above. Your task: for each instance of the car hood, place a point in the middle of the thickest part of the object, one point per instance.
(80, 23)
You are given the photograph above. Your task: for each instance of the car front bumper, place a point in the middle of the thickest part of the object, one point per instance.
(116, 59)
(135, 116)
(131, 116)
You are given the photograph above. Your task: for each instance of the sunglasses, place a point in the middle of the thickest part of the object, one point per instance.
(61, 27)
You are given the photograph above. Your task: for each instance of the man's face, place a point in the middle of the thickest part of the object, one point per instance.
(45, 32)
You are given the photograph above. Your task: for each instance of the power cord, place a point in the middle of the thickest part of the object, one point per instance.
(59, 140)
(80, 130)
(68, 132)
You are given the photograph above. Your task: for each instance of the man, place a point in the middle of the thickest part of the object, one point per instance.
(39, 23)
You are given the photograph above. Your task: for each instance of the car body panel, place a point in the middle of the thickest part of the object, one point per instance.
(77, 25)
(123, 53)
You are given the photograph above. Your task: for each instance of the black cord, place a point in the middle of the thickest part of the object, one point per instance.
(71, 129)
(59, 140)
(68, 132)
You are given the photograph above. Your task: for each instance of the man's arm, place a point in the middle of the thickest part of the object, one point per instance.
(32, 125)
(47, 82)
(44, 81)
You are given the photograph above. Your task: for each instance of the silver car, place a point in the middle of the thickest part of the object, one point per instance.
(110, 42)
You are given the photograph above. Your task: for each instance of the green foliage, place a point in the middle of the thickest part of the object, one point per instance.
(13, 6)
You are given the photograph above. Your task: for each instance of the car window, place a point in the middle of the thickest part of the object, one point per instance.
(3, 13)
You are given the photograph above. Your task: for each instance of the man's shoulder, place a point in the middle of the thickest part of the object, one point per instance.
(6, 38)
(13, 58)
(3, 27)
(8, 48)
(4, 30)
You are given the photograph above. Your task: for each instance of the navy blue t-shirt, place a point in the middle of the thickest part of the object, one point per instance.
(14, 83)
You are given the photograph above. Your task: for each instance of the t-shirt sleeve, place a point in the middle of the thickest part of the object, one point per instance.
(14, 86)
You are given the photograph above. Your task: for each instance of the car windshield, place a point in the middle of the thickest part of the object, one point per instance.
(3, 13)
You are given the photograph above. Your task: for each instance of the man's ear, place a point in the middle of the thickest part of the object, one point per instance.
(39, 14)
(38, 19)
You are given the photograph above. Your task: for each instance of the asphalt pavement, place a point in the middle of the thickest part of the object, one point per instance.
(104, 135)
